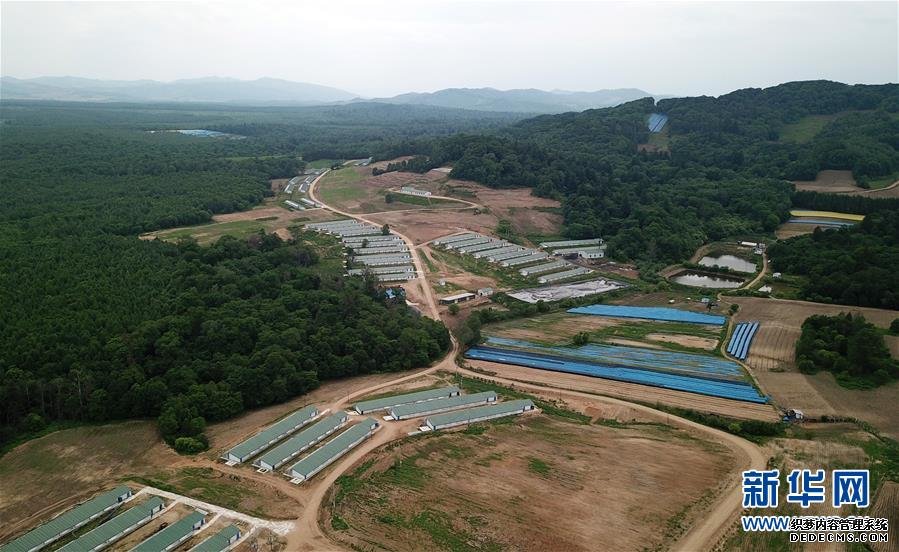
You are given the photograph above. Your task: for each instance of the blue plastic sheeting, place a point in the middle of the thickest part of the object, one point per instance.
(650, 313)
(822, 222)
(688, 364)
(738, 346)
(657, 122)
(739, 391)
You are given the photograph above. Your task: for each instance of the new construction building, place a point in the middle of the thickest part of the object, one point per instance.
(479, 414)
(174, 534)
(271, 435)
(532, 258)
(384, 260)
(556, 276)
(545, 267)
(447, 404)
(457, 298)
(219, 542)
(332, 450)
(116, 528)
(68, 521)
(300, 442)
(457, 238)
(384, 403)
(571, 243)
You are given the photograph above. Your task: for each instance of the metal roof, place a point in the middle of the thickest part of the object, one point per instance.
(511, 255)
(173, 534)
(570, 243)
(545, 267)
(437, 405)
(499, 250)
(302, 440)
(456, 238)
(274, 432)
(332, 449)
(396, 400)
(381, 270)
(533, 257)
(457, 296)
(395, 258)
(473, 414)
(218, 542)
(102, 534)
(556, 276)
(380, 249)
(491, 244)
(66, 522)
(469, 242)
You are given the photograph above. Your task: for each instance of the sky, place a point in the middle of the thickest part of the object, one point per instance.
(381, 48)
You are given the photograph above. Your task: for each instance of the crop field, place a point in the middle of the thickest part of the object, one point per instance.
(830, 182)
(886, 505)
(722, 386)
(806, 213)
(502, 486)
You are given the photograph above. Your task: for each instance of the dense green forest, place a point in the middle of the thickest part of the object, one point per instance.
(99, 325)
(847, 345)
(852, 266)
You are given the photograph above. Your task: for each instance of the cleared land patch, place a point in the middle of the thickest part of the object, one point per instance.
(830, 182)
(431, 492)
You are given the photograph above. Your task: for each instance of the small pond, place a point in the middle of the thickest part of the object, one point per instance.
(730, 261)
(695, 279)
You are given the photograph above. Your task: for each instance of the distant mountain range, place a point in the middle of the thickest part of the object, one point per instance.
(268, 91)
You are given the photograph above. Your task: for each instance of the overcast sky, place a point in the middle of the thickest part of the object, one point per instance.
(378, 48)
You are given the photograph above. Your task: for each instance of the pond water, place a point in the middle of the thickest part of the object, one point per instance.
(730, 261)
(695, 279)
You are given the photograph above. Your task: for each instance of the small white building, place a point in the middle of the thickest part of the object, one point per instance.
(485, 292)
(414, 191)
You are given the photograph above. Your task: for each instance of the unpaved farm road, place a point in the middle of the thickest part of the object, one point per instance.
(715, 521)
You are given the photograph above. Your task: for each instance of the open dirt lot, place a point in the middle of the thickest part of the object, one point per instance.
(832, 182)
(553, 485)
(781, 325)
(630, 391)
(789, 230)
(692, 341)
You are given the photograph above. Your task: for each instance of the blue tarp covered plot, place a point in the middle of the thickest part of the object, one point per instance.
(740, 391)
(650, 313)
(657, 122)
(738, 347)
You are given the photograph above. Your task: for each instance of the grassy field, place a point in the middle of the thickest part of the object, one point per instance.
(805, 129)
(882, 182)
(323, 163)
(209, 233)
(339, 186)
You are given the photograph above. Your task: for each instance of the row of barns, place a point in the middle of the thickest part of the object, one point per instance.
(547, 265)
(118, 526)
(277, 447)
(386, 256)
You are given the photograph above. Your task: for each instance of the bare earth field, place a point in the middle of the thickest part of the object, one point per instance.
(554, 485)
(630, 391)
(886, 505)
(695, 342)
(832, 182)
(771, 357)
(789, 230)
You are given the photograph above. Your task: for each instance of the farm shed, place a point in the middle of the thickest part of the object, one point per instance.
(491, 243)
(332, 225)
(532, 258)
(219, 542)
(384, 260)
(556, 276)
(592, 252)
(294, 205)
(381, 250)
(485, 292)
(303, 440)
(309, 202)
(457, 238)
(479, 414)
(271, 435)
(406, 411)
(545, 267)
(414, 191)
(457, 298)
(372, 240)
(361, 230)
(332, 450)
(385, 403)
(511, 255)
(570, 243)
(471, 242)
(116, 528)
(396, 277)
(502, 247)
(381, 270)
(174, 534)
(68, 521)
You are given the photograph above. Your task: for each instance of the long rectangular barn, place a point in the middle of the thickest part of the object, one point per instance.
(303, 440)
(271, 435)
(219, 542)
(436, 406)
(68, 521)
(384, 403)
(116, 528)
(332, 450)
(173, 535)
(479, 414)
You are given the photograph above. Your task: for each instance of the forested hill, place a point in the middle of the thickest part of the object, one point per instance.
(98, 325)
(718, 168)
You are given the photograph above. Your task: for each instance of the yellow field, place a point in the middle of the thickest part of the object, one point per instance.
(826, 214)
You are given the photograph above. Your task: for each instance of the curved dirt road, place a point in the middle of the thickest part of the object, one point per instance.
(715, 520)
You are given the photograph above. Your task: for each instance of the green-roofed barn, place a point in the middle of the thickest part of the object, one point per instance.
(332, 450)
(116, 528)
(479, 414)
(219, 542)
(173, 535)
(68, 521)
(280, 455)
(271, 435)
(425, 408)
(385, 403)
